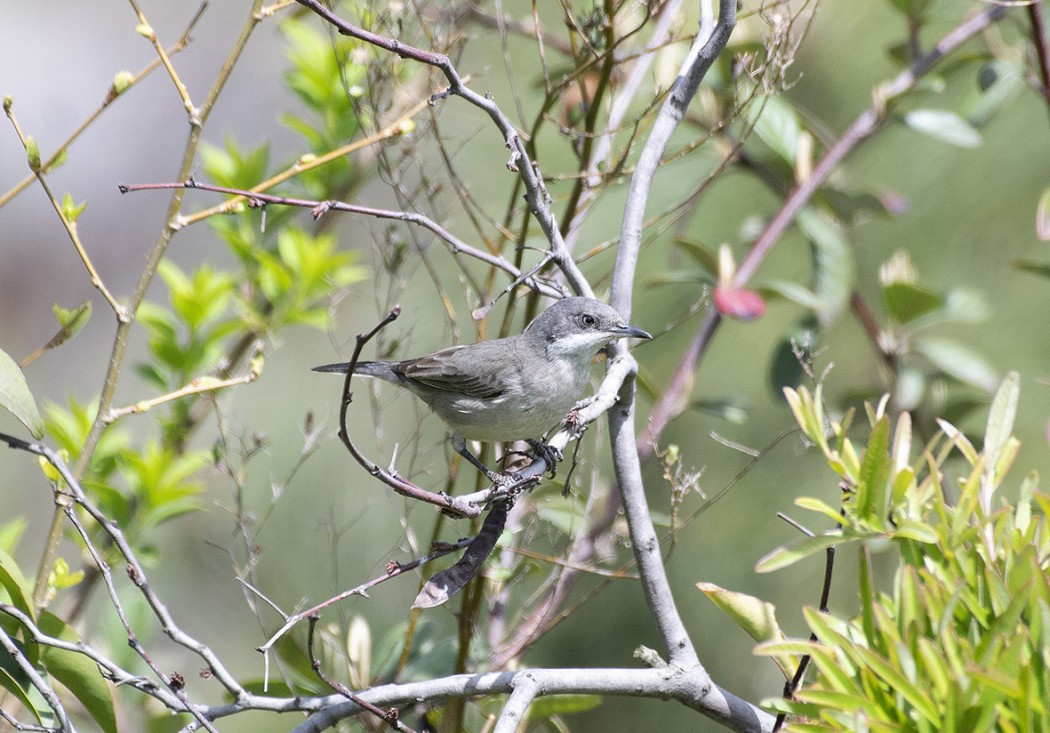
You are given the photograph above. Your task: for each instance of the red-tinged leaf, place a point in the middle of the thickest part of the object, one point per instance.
(739, 303)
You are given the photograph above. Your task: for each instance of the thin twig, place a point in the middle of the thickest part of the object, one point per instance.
(256, 199)
(389, 716)
(393, 570)
(302, 165)
(112, 94)
(519, 162)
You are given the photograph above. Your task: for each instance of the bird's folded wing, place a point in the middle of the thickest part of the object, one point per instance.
(465, 369)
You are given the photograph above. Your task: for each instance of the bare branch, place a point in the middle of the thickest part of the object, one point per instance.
(257, 199)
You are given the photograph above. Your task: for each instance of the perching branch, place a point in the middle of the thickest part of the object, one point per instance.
(709, 43)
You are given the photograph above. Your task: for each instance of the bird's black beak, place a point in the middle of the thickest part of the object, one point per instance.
(339, 368)
(631, 332)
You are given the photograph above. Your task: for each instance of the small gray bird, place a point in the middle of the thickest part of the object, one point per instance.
(509, 389)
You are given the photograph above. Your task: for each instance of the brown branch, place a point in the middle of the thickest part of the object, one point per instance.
(256, 199)
(406, 488)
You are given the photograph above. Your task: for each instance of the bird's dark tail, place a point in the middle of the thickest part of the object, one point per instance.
(378, 369)
(339, 368)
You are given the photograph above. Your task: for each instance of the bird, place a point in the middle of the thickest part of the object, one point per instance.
(509, 389)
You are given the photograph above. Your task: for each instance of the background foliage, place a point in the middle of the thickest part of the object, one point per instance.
(916, 270)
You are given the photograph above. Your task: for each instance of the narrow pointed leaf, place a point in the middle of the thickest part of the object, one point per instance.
(16, 398)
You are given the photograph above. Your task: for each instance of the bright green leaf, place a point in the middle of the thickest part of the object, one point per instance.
(16, 398)
(70, 209)
(781, 557)
(777, 125)
(875, 468)
(32, 154)
(548, 706)
(9, 682)
(755, 617)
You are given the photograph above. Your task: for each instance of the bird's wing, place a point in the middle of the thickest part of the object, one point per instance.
(471, 370)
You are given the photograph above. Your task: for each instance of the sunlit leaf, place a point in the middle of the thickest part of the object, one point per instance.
(16, 398)
(19, 591)
(1001, 418)
(791, 554)
(10, 682)
(776, 124)
(945, 126)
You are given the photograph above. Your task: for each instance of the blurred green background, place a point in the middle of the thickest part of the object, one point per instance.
(968, 214)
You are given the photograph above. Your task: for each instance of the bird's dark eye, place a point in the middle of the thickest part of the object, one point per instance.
(588, 321)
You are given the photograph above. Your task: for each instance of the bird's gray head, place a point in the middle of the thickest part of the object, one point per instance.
(580, 326)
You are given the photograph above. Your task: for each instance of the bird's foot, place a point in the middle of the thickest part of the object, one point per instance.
(550, 455)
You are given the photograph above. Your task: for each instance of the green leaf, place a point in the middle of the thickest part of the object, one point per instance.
(776, 124)
(18, 589)
(781, 557)
(998, 83)
(944, 126)
(1001, 419)
(1042, 216)
(790, 291)
(833, 266)
(908, 301)
(816, 505)
(78, 673)
(32, 154)
(16, 398)
(72, 321)
(756, 617)
(958, 361)
(11, 533)
(9, 682)
(71, 210)
(899, 683)
(548, 706)
(701, 254)
(874, 473)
